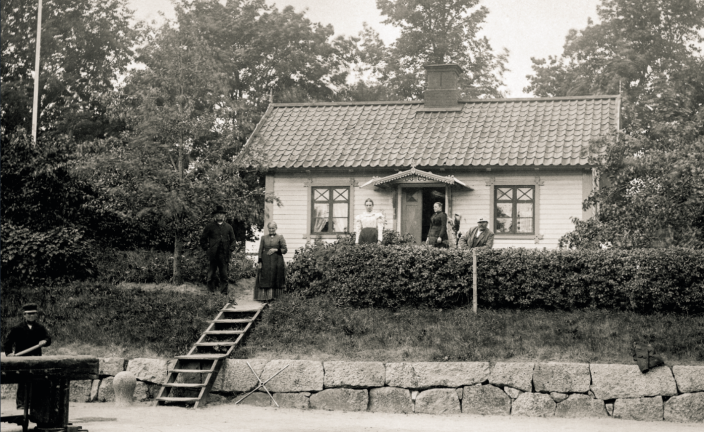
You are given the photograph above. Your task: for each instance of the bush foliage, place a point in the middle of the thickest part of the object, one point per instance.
(647, 280)
(30, 257)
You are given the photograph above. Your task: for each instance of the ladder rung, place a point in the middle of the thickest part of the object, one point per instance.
(231, 321)
(216, 343)
(193, 371)
(178, 399)
(201, 356)
(250, 310)
(184, 385)
(224, 332)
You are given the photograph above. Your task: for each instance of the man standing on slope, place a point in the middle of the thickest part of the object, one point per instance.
(217, 241)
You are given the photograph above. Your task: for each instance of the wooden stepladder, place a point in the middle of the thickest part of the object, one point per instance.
(194, 374)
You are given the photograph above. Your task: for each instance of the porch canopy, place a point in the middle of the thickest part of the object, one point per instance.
(414, 175)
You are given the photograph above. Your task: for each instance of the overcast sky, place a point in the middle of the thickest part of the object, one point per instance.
(528, 28)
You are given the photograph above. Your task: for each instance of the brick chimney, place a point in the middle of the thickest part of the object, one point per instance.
(441, 86)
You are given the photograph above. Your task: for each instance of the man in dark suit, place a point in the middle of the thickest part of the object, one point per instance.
(24, 336)
(478, 237)
(217, 240)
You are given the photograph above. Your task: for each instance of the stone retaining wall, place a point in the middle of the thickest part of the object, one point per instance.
(519, 389)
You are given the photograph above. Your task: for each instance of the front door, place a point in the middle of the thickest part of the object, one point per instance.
(412, 213)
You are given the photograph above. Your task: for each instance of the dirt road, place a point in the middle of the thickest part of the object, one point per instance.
(104, 417)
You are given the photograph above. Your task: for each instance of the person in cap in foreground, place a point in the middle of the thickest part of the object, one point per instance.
(24, 336)
(478, 237)
(217, 241)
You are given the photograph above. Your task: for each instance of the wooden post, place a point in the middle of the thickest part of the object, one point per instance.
(474, 280)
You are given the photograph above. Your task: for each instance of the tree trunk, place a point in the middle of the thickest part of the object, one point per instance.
(177, 279)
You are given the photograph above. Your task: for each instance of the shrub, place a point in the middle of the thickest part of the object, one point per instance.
(148, 266)
(31, 257)
(391, 276)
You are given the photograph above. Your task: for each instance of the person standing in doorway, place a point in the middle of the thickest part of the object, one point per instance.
(26, 335)
(478, 237)
(217, 241)
(437, 234)
(271, 277)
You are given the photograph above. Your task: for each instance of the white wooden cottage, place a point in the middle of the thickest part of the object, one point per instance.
(520, 163)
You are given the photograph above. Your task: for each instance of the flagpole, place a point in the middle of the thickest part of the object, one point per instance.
(35, 103)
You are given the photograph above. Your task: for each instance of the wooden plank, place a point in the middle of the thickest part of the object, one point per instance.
(183, 385)
(216, 344)
(177, 399)
(224, 332)
(201, 356)
(193, 371)
(232, 321)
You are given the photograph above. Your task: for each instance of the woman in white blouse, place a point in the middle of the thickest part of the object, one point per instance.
(369, 226)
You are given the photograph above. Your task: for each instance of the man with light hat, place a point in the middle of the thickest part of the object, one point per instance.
(25, 336)
(478, 237)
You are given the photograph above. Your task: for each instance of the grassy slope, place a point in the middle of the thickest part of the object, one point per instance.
(162, 322)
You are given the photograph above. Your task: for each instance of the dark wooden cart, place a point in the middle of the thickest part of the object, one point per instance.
(47, 379)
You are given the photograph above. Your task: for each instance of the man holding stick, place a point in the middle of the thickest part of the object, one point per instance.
(27, 339)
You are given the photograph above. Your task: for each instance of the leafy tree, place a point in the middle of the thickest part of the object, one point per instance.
(86, 46)
(432, 32)
(648, 51)
(174, 165)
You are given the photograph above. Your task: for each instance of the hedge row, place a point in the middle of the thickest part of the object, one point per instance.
(391, 276)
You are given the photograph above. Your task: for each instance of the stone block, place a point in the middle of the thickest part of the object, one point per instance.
(558, 397)
(690, 379)
(236, 376)
(430, 374)
(460, 392)
(354, 374)
(438, 401)
(686, 408)
(561, 377)
(293, 400)
(643, 409)
(94, 388)
(217, 399)
(340, 399)
(8, 391)
(390, 400)
(485, 400)
(299, 376)
(516, 375)
(512, 392)
(111, 366)
(609, 408)
(145, 391)
(579, 405)
(150, 370)
(627, 381)
(105, 392)
(79, 391)
(533, 405)
(255, 399)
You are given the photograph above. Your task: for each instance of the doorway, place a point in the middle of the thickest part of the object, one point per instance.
(417, 209)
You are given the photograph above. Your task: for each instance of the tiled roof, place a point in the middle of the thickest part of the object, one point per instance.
(499, 132)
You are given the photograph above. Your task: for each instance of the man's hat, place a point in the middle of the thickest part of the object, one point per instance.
(30, 307)
(219, 209)
(482, 220)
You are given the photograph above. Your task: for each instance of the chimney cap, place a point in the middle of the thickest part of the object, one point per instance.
(444, 67)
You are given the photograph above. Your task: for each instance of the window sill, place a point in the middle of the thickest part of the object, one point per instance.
(324, 236)
(515, 236)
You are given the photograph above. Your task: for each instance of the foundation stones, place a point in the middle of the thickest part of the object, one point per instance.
(150, 370)
(292, 400)
(686, 408)
(438, 401)
(558, 397)
(515, 375)
(105, 390)
(427, 374)
(690, 379)
(299, 376)
(354, 374)
(255, 399)
(485, 400)
(533, 405)
(390, 400)
(609, 408)
(579, 405)
(340, 399)
(80, 390)
(643, 409)
(561, 377)
(627, 381)
(111, 366)
(512, 392)
(235, 375)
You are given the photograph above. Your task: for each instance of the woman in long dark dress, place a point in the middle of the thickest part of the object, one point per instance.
(437, 235)
(271, 277)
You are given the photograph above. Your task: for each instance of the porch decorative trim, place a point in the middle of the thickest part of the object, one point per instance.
(414, 175)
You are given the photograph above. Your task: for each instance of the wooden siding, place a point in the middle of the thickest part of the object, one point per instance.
(560, 198)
